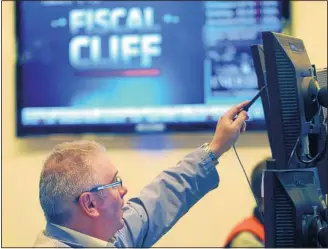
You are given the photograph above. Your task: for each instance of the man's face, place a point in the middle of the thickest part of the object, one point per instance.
(110, 201)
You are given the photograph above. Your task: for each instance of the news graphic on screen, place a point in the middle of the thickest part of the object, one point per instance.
(126, 66)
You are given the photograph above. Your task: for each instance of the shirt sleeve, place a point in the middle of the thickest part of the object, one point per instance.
(166, 199)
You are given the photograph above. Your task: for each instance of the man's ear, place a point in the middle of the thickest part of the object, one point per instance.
(89, 205)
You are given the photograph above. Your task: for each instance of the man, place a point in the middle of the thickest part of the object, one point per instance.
(82, 196)
(250, 232)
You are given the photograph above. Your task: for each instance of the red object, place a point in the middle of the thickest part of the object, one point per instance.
(121, 73)
(252, 225)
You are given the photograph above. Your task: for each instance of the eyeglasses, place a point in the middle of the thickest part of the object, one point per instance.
(117, 184)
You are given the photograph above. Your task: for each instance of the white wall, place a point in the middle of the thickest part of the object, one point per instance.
(310, 25)
(208, 223)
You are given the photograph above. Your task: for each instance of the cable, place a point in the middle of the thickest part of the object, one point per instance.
(249, 183)
(293, 151)
(317, 157)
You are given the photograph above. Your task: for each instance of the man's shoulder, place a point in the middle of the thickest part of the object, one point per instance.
(44, 241)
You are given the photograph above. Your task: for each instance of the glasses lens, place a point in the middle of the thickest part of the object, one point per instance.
(118, 179)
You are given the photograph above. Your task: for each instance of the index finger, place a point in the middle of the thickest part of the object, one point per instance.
(233, 111)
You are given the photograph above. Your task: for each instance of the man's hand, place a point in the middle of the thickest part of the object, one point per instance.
(228, 129)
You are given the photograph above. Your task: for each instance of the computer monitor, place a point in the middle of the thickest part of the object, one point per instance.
(294, 206)
(137, 66)
(260, 70)
(296, 118)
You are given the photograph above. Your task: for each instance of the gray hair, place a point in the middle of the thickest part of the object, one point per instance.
(66, 173)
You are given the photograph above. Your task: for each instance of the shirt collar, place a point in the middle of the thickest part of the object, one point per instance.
(84, 239)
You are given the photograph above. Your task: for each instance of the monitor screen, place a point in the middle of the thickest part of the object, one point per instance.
(127, 66)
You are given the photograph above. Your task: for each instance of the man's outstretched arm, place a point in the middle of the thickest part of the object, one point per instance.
(173, 192)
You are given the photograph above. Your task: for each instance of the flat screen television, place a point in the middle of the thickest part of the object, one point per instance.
(137, 66)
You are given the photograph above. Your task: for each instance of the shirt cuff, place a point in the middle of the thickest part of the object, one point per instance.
(207, 162)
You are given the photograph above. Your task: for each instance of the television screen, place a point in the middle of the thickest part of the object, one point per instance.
(130, 67)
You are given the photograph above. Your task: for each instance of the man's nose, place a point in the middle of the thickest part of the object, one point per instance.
(123, 191)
